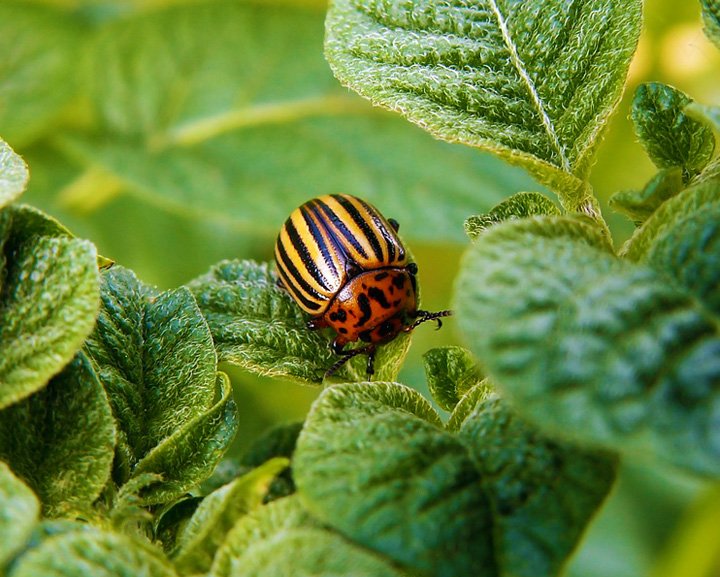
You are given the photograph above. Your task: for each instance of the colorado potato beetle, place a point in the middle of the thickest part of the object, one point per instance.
(343, 263)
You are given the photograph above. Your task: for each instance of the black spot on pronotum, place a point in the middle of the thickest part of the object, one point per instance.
(399, 281)
(365, 336)
(381, 275)
(341, 315)
(333, 316)
(364, 304)
(377, 295)
(342, 330)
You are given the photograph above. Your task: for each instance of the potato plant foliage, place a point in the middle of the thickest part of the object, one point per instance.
(577, 355)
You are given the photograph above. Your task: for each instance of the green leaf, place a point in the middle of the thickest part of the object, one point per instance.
(258, 327)
(543, 492)
(450, 372)
(670, 137)
(519, 205)
(20, 514)
(189, 455)
(229, 112)
(260, 526)
(13, 174)
(48, 302)
(704, 113)
(640, 204)
(38, 72)
(218, 513)
(392, 491)
(155, 357)
(92, 554)
(592, 347)
(60, 440)
(711, 18)
(690, 204)
(480, 75)
(311, 553)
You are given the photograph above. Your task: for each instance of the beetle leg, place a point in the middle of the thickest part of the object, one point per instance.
(371, 361)
(345, 356)
(423, 316)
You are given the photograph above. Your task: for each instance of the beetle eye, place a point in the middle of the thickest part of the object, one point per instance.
(412, 268)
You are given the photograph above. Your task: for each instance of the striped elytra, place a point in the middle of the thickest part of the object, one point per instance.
(343, 263)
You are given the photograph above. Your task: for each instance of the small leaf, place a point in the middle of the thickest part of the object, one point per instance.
(711, 18)
(38, 72)
(592, 347)
(450, 372)
(48, 302)
(20, 514)
(219, 511)
(311, 552)
(670, 137)
(478, 75)
(262, 525)
(60, 440)
(688, 205)
(13, 174)
(258, 327)
(392, 491)
(543, 492)
(155, 356)
(640, 204)
(92, 554)
(189, 455)
(519, 205)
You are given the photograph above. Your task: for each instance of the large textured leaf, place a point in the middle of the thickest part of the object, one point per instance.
(37, 73)
(711, 18)
(670, 136)
(20, 511)
(60, 440)
(257, 326)
(543, 492)
(48, 301)
(13, 174)
(479, 73)
(312, 553)
(391, 492)
(217, 514)
(92, 553)
(223, 111)
(260, 526)
(591, 346)
(155, 356)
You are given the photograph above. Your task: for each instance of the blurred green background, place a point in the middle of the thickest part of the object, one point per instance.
(175, 134)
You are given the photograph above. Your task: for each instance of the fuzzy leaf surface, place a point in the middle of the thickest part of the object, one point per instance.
(593, 347)
(20, 514)
(217, 514)
(519, 205)
(228, 111)
(477, 74)
(669, 135)
(48, 301)
(13, 174)
(257, 326)
(262, 525)
(60, 440)
(38, 72)
(543, 492)
(391, 492)
(451, 372)
(155, 357)
(92, 553)
(189, 455)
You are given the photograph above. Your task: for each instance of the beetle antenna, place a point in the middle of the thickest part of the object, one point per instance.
(423, 316)
(345, 356)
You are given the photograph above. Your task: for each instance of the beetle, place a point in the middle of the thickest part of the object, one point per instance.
(343, 263)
